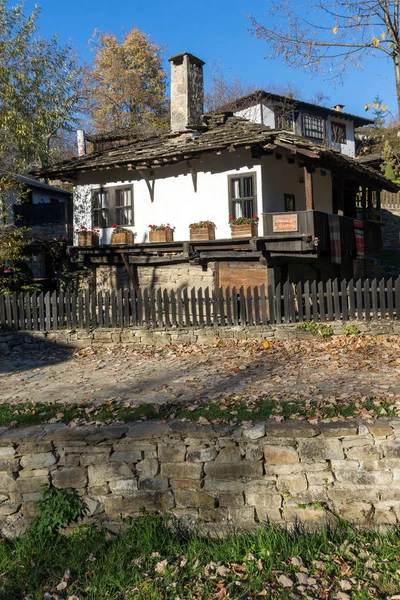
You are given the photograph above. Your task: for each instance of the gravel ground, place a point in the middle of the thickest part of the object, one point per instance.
(340, 367)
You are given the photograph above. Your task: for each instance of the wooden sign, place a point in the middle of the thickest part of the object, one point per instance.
(282, 223)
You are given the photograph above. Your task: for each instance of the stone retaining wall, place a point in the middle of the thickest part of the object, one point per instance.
(216, 478)
(31, 340)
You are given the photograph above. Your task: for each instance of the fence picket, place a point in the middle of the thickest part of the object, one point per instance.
(307, 301)
(228, 306)
(249, 304)
(146, 306)
(359, 299)
(321, 300)
(345, 305)
(107, 309)
(235, 306)
(286, 314)
(80, 308)
(21, 311)
(193, 306)
(382, 298)
(367, 304)
(159, 320)
(87, 310)
(126, 308)
(67, 309)
(200, 306)
(329, 299)
(390, 298)
(314, 299)
(28, 311)
(14, 304)
(47, 305)
(3, 321)
(54, 309)
(173, 308)
(166, 308)
(100, 313)
(278, 300)
(180, 308)
(61, 311)
(292, 307)
(208, 306)
(397, 297)
(374, 292)
(140, 304)
(134, 309)
(257, 316)
(242, 306)
(8, 312)
(336, 299)
(186, 307)
(271, 304)
(74, 310)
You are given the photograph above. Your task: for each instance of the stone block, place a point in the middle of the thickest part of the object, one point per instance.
(35, 473)
(339, 430)
(153, 483)
(185, 484)
(320, 448)
(364, 453)
(277, 455)
(290, 429)
(380, 429)
(7, 452)
(21, 435)
(293, 484)
(30, 448)
(119, 486)
(99, 474)
(213, 515)
(364, 477)
(34, 484)
(360, 513)
(98, 458)
(224, 485)
(230, 455)
(67, 434)
(149, 429)
(358, 442)
(29, 510)
(352, 494)
(242, 516)
(9, 464)
(391, 449)
(263, 500)
(255, 432)
(254, 452)
(129, 456)
(192, 498)
(106, 432)
(309, 516)
(148, 467)
(69, 477)
(231, 499)
(200, 454)
(172, 453)
(320, 478)
(134, 504)
(244, 468)
(8, 508)
(184, 470)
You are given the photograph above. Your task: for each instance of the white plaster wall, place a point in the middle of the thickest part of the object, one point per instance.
(349, 148)
(280, 177)
(175, 200)
(259, 113)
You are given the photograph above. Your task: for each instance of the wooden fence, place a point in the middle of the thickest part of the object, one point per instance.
(390, 200)
(287, 303)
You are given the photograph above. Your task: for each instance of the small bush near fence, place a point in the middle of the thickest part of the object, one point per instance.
(287, 303)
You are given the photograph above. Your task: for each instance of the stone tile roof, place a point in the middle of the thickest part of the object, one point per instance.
(222, 132)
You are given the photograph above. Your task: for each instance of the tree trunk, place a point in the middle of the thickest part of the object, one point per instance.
(396, 60)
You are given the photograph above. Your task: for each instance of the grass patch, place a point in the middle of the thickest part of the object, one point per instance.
(149, 562)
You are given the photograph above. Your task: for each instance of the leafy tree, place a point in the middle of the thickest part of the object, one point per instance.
(331, 37)
(40, 90)
(126, 85)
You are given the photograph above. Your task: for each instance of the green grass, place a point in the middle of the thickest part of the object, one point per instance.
(225, 410)
(131, 566)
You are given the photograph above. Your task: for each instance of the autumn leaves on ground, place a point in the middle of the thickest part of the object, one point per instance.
(317, 378)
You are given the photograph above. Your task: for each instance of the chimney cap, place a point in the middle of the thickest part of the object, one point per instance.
(338, 107)
(178, 59)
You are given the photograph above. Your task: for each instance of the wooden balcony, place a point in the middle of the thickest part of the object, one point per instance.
(307, 232)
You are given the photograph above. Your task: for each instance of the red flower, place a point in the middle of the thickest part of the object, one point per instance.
(255, 217)
(83, 228)
(231, 218)
(113, 226)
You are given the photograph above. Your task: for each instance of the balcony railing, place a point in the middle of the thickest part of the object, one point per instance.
(28, 215)
(305, 230)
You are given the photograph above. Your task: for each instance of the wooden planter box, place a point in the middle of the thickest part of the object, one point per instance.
(202, 233)
(88, 238)
(122, 238)
(163, 235)
(244, 231)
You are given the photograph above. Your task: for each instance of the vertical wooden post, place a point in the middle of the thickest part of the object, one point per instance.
(308, 184)
(364, 203)
(369, 198)
(378, 201)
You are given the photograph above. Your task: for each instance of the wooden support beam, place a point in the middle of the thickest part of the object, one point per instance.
(370, 203)
(131, 274)
(308, 184)
(150, 184)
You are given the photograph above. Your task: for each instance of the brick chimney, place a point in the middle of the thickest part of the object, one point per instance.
(187, 92)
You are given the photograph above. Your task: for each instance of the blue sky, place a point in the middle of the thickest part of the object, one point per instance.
(214, 31)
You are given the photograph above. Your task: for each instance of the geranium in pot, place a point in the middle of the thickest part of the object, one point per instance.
(88, 236)
(122, 235)
(202, 230)
(244, 227)
(161, 233)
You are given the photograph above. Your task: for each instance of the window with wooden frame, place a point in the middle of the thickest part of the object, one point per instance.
(290, 202)
(242, 195)
(283, 118)
(338, 132)
(313, 126)
(113, 205)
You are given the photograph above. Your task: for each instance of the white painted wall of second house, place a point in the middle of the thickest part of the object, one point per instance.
(349, 148)
(279, 177)
(175, 200)
(258, 113)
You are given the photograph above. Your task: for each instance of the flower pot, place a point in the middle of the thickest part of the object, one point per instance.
(88, 238)
(202, 233)
(161, 235)
(123, 238)
(244, 231)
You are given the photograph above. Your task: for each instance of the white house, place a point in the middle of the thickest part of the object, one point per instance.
(217, 166)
